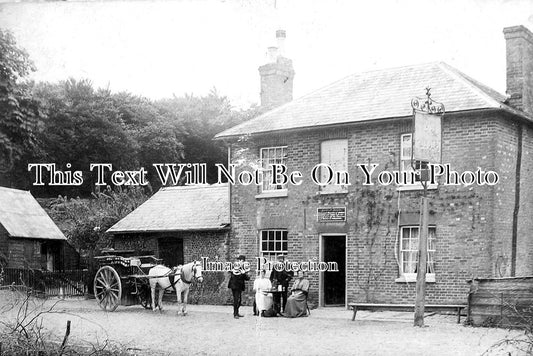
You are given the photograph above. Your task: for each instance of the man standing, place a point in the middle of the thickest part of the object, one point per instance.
(280, 277)
(239, 274)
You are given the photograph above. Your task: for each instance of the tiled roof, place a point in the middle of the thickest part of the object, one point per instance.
(185, 208)
(22, 216)
(376, 95)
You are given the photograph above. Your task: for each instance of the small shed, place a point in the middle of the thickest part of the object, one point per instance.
(504, 302)
(28, 236)
(180, 225)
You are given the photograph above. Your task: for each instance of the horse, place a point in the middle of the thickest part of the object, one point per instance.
(183, 276)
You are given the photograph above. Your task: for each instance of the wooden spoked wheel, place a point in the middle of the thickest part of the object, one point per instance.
(145, 296)
(107, 288)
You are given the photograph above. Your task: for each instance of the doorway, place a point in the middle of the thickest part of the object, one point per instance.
(334, 282)
(50, 256)
(171, 251)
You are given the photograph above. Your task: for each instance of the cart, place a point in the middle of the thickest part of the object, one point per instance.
(123, 280)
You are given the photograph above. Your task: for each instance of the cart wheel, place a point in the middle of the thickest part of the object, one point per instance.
(107, 288)
(145, 296)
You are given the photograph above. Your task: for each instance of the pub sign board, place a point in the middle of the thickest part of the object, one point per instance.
(331, 214)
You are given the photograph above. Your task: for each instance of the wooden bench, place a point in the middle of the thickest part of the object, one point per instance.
(406, 307)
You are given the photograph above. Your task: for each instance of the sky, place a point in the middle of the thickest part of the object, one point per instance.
(162, 48)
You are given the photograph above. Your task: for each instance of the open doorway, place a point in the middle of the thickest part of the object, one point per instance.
(334, 283)
(171, 251)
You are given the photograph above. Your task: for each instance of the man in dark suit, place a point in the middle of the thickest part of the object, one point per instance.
(282, 278)
(239, 275)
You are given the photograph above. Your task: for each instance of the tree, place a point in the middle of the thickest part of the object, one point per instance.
(85, 221)
(199, 119)
(20, 112)
(84, 126)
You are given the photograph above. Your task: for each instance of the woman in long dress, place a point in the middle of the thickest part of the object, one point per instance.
(297, 301)
(262, 286)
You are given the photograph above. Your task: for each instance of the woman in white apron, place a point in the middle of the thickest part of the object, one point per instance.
(262, 287)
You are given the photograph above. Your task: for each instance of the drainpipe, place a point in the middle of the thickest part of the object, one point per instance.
(514, 237)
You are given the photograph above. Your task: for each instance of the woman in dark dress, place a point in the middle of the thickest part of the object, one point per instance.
(297, 301)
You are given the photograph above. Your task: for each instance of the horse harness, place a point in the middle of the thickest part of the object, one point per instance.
(172, 274)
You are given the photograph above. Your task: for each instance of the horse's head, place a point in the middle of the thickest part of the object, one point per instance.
(197, 271)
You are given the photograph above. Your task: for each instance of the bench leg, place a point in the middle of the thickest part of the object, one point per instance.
(354, 312)
(458, 315)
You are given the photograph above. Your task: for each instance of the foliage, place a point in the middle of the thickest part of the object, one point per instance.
(200, 119)
(523, 342)
(73, 124)
(20, 112)
(83, 126)
(22, 329)
(85, 221)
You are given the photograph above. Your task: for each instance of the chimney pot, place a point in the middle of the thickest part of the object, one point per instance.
(281, 35)
(272, 55)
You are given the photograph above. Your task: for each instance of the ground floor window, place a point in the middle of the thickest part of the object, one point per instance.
(273, 243)
(409, 251)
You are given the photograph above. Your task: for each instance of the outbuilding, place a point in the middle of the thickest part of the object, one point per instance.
(29, 238)
(179, 225)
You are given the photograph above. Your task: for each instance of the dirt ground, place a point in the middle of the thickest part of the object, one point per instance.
(211, 330)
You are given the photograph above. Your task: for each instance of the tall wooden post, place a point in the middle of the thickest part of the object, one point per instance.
(422, 261)
(426, 149)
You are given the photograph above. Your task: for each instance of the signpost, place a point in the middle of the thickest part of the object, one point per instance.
(426, 141)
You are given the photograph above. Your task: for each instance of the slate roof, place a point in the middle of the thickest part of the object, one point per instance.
(22, 216)
(376, 95)
(184, 208)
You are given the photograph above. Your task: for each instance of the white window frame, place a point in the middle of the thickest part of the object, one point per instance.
(279, 237)
(406, 147)
(269, 156)
(332, 188)
(412, 250)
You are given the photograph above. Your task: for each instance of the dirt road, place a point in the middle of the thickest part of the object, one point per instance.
(211, 330)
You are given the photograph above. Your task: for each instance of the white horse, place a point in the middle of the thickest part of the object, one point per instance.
(161, 276)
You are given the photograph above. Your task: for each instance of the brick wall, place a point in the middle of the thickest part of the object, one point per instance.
(524, 257)
(519, 58)
(276, 83)
(195, 246)
(474, 223)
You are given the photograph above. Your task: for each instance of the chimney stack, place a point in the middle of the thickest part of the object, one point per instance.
(519, 55)
(277, 76)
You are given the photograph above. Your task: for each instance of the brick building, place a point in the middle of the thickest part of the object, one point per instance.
(371, 231)
(28, 236)
(181, 225)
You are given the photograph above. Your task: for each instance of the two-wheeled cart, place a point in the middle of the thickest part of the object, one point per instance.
(123, 280)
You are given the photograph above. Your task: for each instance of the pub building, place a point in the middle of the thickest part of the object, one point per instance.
(371, 231)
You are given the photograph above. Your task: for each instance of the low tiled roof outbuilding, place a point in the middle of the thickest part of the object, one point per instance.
(183, 208)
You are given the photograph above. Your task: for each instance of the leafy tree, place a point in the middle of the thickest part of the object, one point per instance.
(199, 120)
(85, 221)
(20, 112)
(84, 126)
